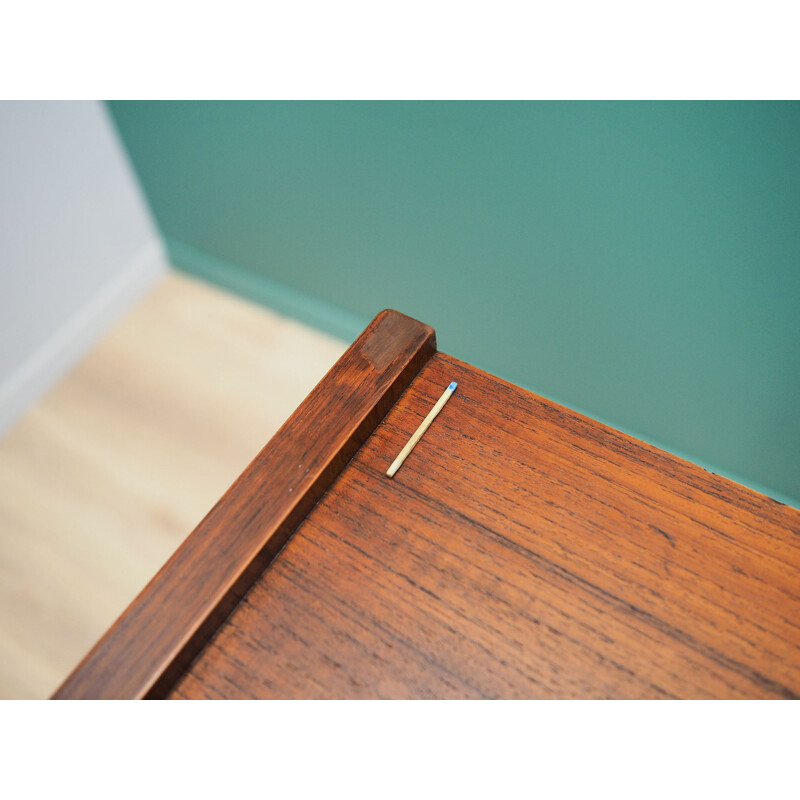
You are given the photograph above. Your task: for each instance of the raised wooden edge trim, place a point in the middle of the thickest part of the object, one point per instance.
(165, 627)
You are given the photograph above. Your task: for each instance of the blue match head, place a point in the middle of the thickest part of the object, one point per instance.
(452, 386)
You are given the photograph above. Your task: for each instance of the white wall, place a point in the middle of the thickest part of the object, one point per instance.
(77, 243)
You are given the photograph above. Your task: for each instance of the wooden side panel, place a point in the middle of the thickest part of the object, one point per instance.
(167, 624)
(522, 551)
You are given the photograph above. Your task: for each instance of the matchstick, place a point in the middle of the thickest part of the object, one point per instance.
(424, 425)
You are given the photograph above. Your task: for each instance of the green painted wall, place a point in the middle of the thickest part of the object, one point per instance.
(639, 262)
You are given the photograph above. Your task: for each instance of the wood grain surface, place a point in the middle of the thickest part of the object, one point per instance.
(167, 624)
(522, 551)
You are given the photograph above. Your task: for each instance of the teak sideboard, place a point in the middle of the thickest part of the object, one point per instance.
(521, 551)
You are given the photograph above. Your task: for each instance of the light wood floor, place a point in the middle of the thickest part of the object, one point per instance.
(106, 475)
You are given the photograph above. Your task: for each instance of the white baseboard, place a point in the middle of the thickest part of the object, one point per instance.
(23, 387)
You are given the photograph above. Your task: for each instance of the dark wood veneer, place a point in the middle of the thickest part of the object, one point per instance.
(166, 625)
(522, 550)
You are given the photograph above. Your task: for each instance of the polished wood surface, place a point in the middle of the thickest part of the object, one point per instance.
(166, 625)
(522, 551)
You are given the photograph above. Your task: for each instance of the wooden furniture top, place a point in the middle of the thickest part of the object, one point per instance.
(521, 551)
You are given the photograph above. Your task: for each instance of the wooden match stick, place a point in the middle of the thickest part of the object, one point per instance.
(424, 425)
